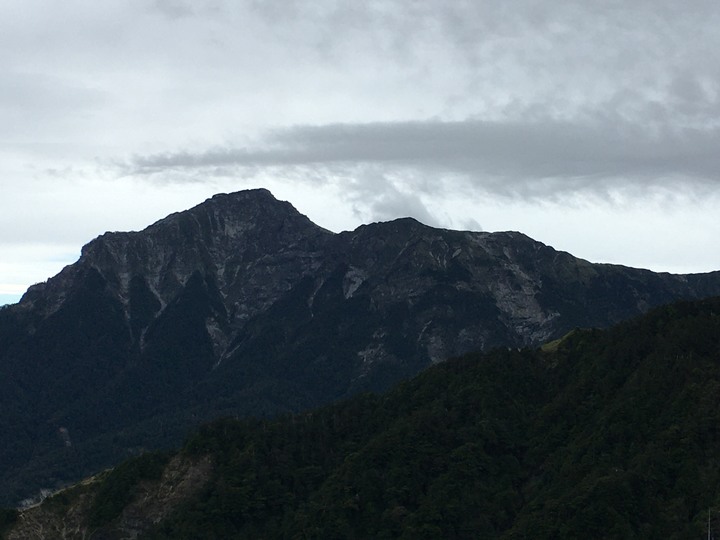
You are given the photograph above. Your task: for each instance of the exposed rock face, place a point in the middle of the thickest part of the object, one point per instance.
(248, 245)
(241, 305)
(67, 517)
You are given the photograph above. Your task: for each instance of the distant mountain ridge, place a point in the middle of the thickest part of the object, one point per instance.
(241, 305)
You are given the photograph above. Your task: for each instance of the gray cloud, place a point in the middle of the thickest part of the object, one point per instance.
(527, 159)
(375, 196)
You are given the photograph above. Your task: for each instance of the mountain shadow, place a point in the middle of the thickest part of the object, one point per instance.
(602, 434)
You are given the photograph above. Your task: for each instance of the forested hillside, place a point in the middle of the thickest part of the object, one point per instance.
(603, 434)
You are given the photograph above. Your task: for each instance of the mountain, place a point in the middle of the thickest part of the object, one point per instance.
(601, 434)
(242, 306)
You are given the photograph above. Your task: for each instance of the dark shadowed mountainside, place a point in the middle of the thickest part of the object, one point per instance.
(602, 434)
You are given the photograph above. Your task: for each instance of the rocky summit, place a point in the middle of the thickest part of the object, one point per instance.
(242, 306)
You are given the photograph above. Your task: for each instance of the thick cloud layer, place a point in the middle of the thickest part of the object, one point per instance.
(462, 114)
(520, 158)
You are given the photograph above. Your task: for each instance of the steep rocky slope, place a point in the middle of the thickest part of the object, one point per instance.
(241, 305)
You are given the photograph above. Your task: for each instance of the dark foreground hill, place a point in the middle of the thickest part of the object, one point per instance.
(603, 434)
(242, 306)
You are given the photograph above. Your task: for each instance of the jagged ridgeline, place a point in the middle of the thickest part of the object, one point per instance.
(242, 306)
(604, 434)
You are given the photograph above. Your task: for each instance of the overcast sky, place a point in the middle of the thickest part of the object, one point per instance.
(593, 127)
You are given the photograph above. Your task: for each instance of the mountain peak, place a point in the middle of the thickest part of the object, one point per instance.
(213, 238)
(244, 198)
(256, 193)
(252, 205)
